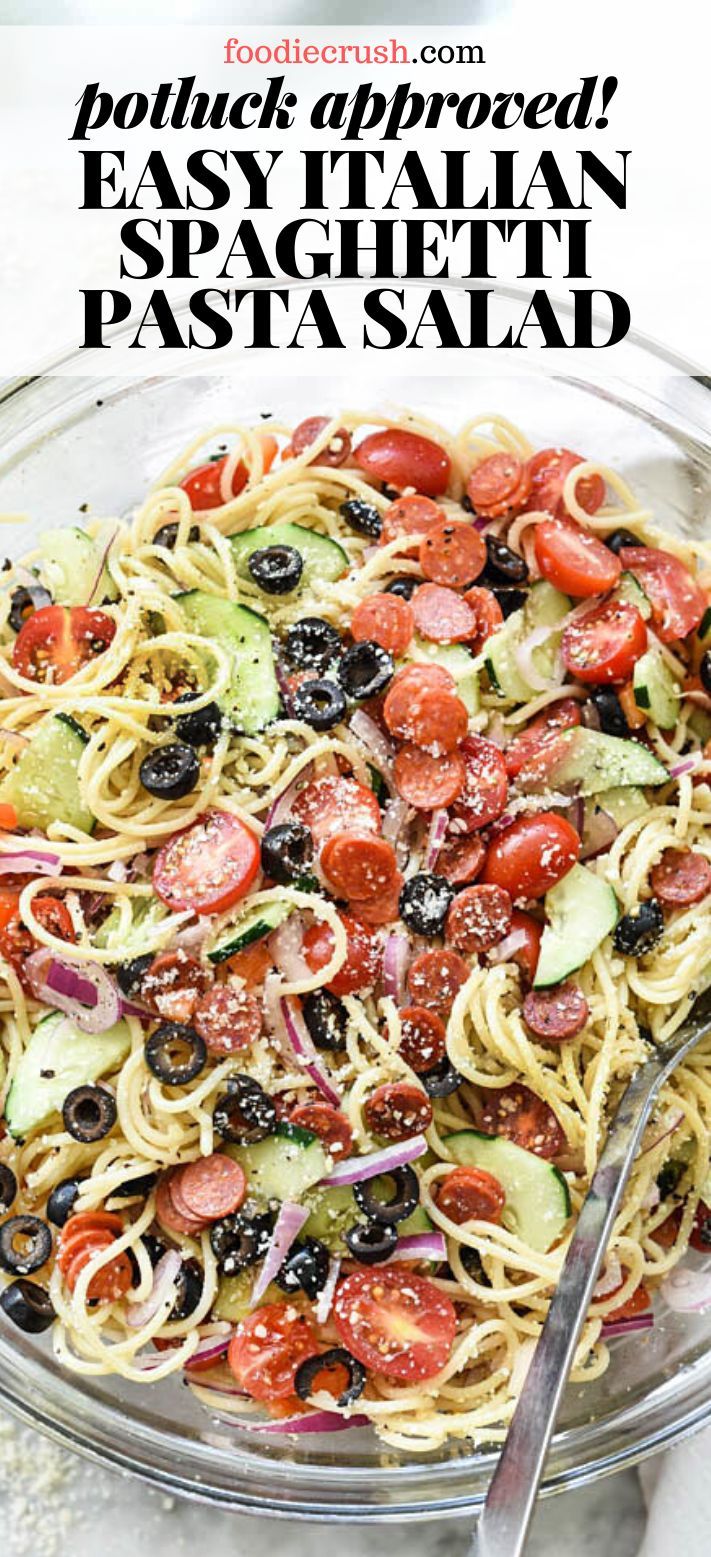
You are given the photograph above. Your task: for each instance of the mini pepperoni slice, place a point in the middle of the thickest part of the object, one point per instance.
(471, 1195)
(358, 865)
(382, 909)
(336, 452)
(479, 917)
(398, 1110)
(461, 858)
(328, 1123)
(173, 984)
(539, 734)
(520, 1116)
(364, 955)
(384, 619)
(498, 484)
(192, 1223)
(554, 1015)
(426, 673)
(424, 1038)
(452, 553)
(486, 784)
(681, 877)
(336, 805)
(488, 615)
(227, 1018)
(426, 716)
(412, 515)
(168, 1214)
(435, 978)
(441, 616)
(548, 469)
(428, 782)
(213, 1186)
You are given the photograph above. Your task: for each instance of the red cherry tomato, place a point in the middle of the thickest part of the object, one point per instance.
(394, 1322)
(54, 917)
(363, 957)
(486, 784)
(605, 643)
(269, 1347)
(548, 469)
(405, 459)
(560, 716)
(527, 953)
(532, 855)
(8, 906)
(8, 817)
(209, 866)
(471, 1194)
(204, 484)
(638, 1303)
(328, 1123)
(573, 559)
(57, 641)
(335, 805)
(678, 602)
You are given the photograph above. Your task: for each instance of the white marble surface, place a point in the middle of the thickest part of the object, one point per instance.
(51, 1502)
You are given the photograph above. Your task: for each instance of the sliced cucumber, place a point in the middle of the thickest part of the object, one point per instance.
(581, 910)
(234, 1296)
(59, 1057)
(537, 1199)
(141, 935)
(44, 784)
(588, 762)
(699, 722)
(323, 558)
(544, 608)
(285, 1165)
(632, 593)
(253, 698)
(623, 804)
(334, 1210)
(655, 689)
(70, 563)
(459, 662)
(251, 927)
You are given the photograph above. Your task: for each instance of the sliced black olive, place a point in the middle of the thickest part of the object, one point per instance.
(467, 504)
(8, 1187)
(286, 852)
(28, 1306)
(509, 597)
(130, 974)
(62, 1201)
(669, 1177)
(25, 1244)
(640, 930)
(371, 1242)
(620, 538)
(155, 1248)
(167, 535)
(473, 1264)
(610, 713)
(312, 643)
(335, 1357)
(24, 601)
(305, 1268)
(424, 903)
(276, 569)
(405, 1196)
(326, 1019)
(170, 772)
(141, 1185)
(189, 1284)
(365, 670)
(175, 1053)
(505, 565)
(240, 1241)
(404, 587)
(705, 671)
(441, 1079)
(200, 728)
(362, 517)
(89, 1113)
(320, 704)
(245, 1113)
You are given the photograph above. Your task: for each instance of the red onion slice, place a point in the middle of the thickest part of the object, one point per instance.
(280, 807)
(211, 1349)
(626, 1326)
(327, 1293)
(435, 837)
(304, 1051)
(395, 819)
(688, 764)
(687, 1291)
(376, 743)
(84, 992)
(165, 1278)
(523, 655)
(356, 1169)
(30, 860)
(396, 958)
(285, 946)
(310, 1422)
(599, 832)
(102, 565)
(288, 1225)
(420, 1246)
(667, 1127)
(506, 950)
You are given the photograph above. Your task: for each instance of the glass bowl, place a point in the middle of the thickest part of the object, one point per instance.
(70, 442)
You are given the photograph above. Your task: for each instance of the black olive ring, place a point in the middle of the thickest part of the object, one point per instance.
(35, 1245)
(245, 1113)
(371, 1242)
(319, 703)
(28, 1306)
(335, 1357)
(175, 1053)
(8, 1187)
(89, 1113)
(405, 1196)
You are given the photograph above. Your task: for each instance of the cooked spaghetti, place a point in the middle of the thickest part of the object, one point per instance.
(356, 799)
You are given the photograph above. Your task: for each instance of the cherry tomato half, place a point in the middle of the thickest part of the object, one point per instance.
(54, 917)
(57, 641)
(209, 866)
(204, 484)
(396, 1323)
(548, 469)
(560, 716)
(574, 560)
(363, 957)
(269, 1346)
(605, 643)
(532, 855)
(405, 459)
(678, 602)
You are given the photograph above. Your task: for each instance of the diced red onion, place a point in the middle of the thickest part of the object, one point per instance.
(118, 871)
(356, 1169)
(285, 945)
(326, 1295)
(165, 1278)
(480, 522)
(687, 765)
(30, 860)
(435, 837)
(523, 655)
(280, 807)
(288, 1225)
(629, 1326)
(395, 819)
(86, 994)
(396, 958)
(601, 831)
(667, 1127)
(211, 1348)
(506, 950)
(102, 565)
(687, 1291)
(376, 743)
(310, 1422)
(610, 1278)
(227, 1391)
(305, 1052)
(421, 1246)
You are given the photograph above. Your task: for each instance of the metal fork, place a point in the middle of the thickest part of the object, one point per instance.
(506, 1515)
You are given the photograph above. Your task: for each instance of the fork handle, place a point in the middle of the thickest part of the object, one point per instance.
(505, 1518)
